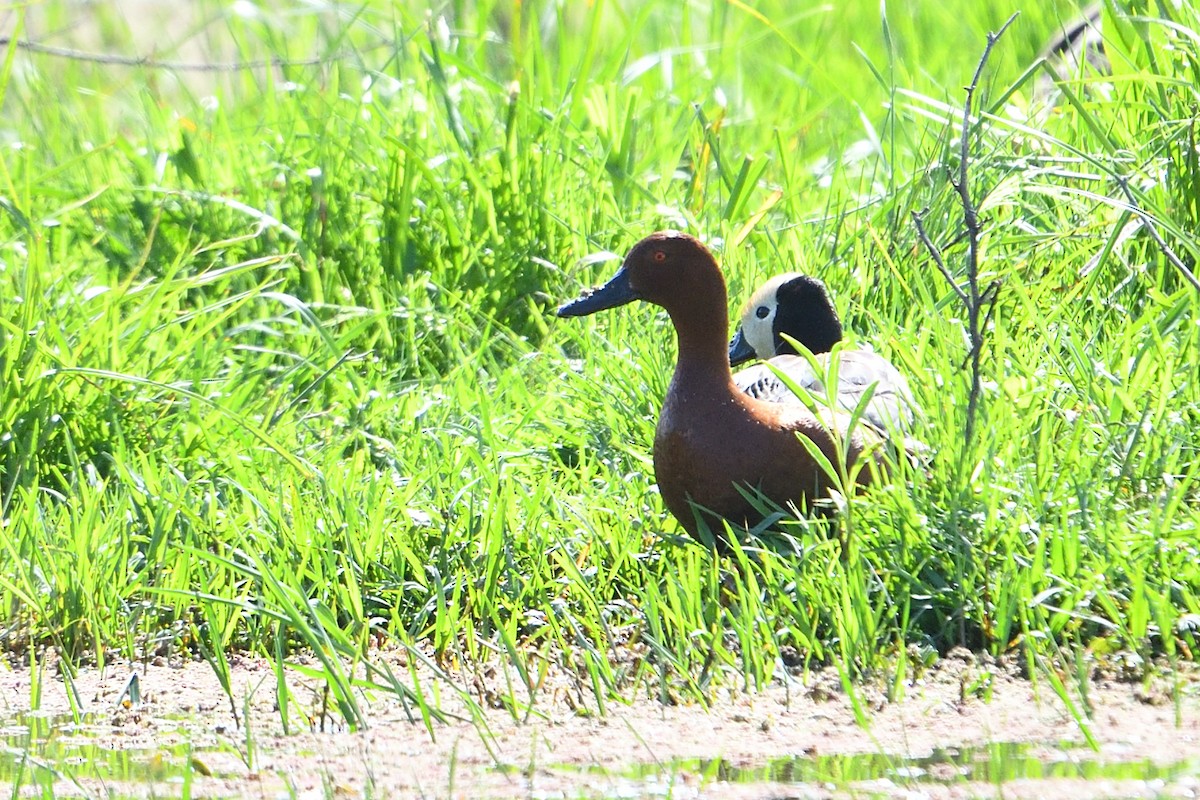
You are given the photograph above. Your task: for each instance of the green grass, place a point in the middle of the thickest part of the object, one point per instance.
(279, 370)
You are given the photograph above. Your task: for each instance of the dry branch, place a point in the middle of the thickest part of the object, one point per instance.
(980, 303)
(151, 63)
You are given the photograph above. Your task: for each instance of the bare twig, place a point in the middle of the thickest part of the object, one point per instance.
(980, 303)
(988, 300)
(1148, 223)
(151, 63)
(936, 253)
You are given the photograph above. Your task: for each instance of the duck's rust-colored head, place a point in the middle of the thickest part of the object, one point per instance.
(668, 268)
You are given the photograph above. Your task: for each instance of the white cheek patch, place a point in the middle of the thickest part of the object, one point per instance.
(760, 333)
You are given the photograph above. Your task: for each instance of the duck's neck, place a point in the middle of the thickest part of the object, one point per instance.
(703, 334)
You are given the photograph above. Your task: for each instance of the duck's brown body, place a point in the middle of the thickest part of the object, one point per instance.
(714, 444)
(707, 447)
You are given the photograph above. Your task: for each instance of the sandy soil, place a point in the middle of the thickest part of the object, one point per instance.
(562, 752)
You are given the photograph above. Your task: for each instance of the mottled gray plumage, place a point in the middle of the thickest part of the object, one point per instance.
(798, 306)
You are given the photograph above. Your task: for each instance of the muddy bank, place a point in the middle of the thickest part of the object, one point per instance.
(185, 724)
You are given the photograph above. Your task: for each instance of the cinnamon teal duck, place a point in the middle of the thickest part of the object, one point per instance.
(714, 444)
(800, 307)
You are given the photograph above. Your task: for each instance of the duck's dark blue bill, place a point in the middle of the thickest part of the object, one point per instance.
(617, 292)
(740, 350)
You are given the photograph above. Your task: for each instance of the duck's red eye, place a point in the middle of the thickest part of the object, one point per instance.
(658, 256)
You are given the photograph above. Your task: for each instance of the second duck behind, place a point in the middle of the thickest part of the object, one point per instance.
(800, 307)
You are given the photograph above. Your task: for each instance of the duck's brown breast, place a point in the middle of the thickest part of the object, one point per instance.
(705, 449)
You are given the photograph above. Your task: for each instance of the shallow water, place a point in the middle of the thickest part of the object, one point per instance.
(60, 751)
(995, 764)
(69, 758)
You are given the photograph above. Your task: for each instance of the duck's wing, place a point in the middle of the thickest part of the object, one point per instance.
(891, 407)
(761, 383)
